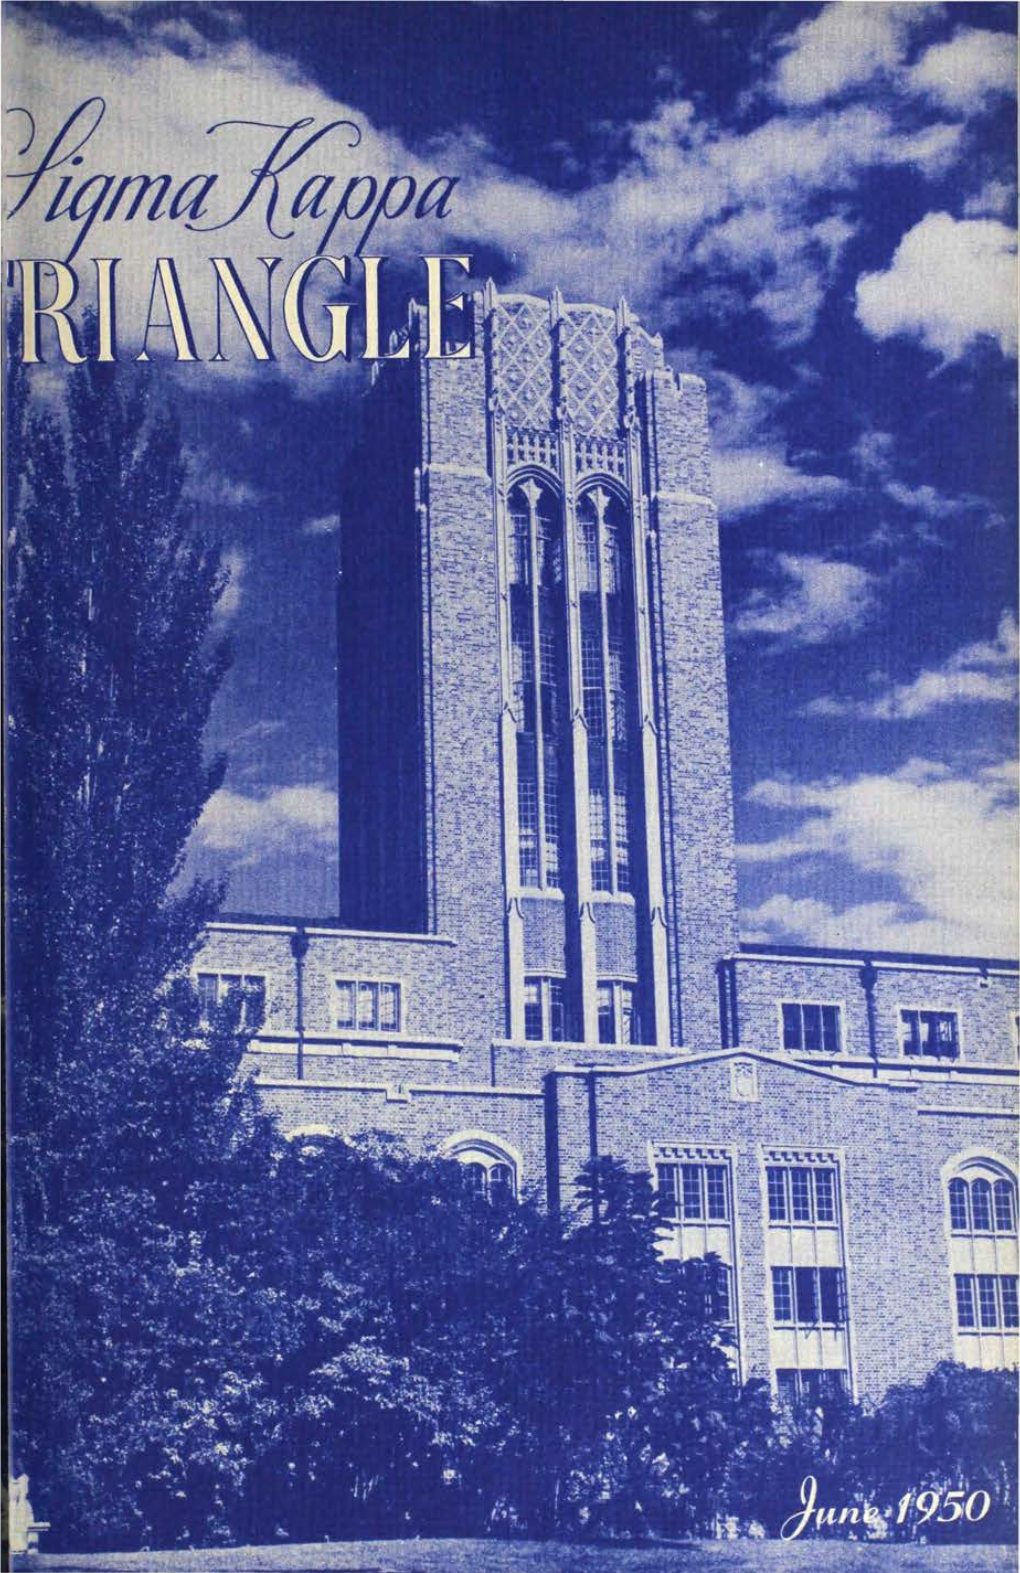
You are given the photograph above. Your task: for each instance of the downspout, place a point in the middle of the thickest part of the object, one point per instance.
(551, 1106)
(868, 976)
(593, 1141)
(299, 950)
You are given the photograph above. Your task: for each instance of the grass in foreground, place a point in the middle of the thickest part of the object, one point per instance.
(495, 1556)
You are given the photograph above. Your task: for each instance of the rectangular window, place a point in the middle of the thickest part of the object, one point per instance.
(545, 1012)
(959, 1216)
(592, 691)
(715, 1187)
(607, 1014)
(618, 1013)
(782, 1294)
(722, 1296)
(988, 1307)
(832, 1295)
(800, 1195)
(527, 811)
(825, 1195)
(778, 1211)
(216, 987)
(598, 833)
(366, 1006)
(932, 1033)
(549, 674)
(520, 553)
(589, 557)
(621, 830)
(691, 1179)
(788, 1387)
(809, 1296)
(1004, 1220)
(696, 1191)
(551, 801)
(809, 1385)
(345, 992)
(806, 1292)
(667, 1189)
(389, 1007)
(819, 1387)
(628, 1015)
(533, 1009)
(557, 1010)
(965, 1301)
(523, 662)
(986, 1300)
(814, 1029)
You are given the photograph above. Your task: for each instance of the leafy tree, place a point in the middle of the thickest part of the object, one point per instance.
(955, 1430)
(111, 674)
(130, 1152)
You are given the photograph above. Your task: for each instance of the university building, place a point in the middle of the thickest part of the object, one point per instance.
(537, 957)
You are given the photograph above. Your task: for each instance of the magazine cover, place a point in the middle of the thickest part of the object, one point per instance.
(510, 682)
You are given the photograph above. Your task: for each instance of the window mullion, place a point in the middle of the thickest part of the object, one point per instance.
(607, 690)
(532, 494)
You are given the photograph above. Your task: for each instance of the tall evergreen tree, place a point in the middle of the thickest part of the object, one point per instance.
(130, 1148)
(110, 676)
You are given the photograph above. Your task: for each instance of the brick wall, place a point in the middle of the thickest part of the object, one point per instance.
(891, 1156)
(985, 1001)
(693, 717)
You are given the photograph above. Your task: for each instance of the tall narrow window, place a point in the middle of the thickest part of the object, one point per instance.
(983, 1261)
(607, 683)
(805, 1254)
(693, 1186)
(545, 1009)
(538, 658)
(618, 1013)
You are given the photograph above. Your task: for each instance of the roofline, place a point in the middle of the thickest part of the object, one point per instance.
(331, 928)
(718, 1056)
(749, 949)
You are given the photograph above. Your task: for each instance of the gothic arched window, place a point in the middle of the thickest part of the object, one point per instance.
(538, 642)
(490, 1169)
(983, 1261)
(982, 1204)
(607, 682)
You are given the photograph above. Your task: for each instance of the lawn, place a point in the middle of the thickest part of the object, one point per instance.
(494, 1556)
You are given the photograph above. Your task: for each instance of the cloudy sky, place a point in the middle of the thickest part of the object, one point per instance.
(816, 205)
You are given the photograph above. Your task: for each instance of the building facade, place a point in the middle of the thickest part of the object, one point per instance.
(537, 957)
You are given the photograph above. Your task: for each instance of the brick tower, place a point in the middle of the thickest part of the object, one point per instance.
(534, 753)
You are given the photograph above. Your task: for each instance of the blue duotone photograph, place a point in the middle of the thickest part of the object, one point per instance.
(510, 787)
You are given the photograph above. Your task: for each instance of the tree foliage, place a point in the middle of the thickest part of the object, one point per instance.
(218, 1335)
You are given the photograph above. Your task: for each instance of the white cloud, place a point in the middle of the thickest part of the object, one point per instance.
(996, 199)
(207, 485)
(766, 207)
(236, 563)
(819, 599)
(746, 478)
(968, 69)
(951, 283)
(844, 47)
(288, 818)
(325, 524)
(948, 841)
(874, 456)
(750, 464)
(980, 673)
